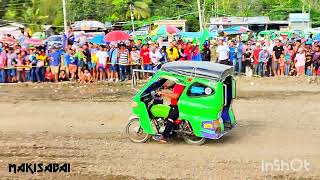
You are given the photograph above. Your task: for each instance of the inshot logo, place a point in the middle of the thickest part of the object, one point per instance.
(38, 167)
(281, 165)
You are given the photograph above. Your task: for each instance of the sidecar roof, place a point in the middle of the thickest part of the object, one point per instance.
(201, 69)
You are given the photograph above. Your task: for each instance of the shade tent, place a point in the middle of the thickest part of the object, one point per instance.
(236, 30)
(197, 34)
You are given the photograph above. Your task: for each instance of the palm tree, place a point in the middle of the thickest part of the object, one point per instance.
(140, 9)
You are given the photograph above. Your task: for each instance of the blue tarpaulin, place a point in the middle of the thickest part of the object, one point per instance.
(317, 38)
(98, 39)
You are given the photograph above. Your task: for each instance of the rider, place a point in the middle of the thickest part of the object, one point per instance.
(173, 95)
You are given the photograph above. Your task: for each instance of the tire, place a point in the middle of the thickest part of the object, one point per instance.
(199, 140)
(144, 136)
(190, 138)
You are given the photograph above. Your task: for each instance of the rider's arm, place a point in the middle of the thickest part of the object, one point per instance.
(169, 94)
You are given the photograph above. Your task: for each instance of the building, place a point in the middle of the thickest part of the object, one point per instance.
(258, 23)
(299, 21)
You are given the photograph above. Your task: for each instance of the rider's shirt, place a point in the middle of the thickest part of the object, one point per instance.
(178, 89)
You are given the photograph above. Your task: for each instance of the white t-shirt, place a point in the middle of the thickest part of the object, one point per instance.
(223, 52)
(155, 57)
(102, 57)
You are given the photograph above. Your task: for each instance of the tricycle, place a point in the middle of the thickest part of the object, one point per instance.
(205, 105)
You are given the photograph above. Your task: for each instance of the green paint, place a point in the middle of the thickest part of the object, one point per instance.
(193, 109)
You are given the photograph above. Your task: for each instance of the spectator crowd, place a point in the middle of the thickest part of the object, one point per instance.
(86, 62)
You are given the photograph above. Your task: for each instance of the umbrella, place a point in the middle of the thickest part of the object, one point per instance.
(6, 39)
(236, 30)
(161, 30)
(116, 36)
(97, 39)
(32, 41)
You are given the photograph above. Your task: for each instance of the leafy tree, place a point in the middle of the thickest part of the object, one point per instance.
(50, 11)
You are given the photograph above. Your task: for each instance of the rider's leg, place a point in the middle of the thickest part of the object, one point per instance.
(173, 115)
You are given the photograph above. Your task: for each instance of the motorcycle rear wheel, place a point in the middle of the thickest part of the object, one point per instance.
(138, 136)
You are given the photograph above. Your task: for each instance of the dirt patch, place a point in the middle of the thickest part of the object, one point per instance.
(84, 124)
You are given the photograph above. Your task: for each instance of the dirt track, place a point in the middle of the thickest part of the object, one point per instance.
(279, 118)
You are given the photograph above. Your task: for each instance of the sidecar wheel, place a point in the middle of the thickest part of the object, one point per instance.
(193, 140)
(135, 132)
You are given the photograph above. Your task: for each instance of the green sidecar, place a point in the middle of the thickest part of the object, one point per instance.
(205, 105)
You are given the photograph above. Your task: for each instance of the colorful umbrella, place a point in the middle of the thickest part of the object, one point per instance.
(98, 39)
(9, 40)
(116, 36)
(36, 42)
(161, 30)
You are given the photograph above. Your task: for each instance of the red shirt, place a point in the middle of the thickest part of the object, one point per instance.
(187, 51)
(144, 54)
(177, 89)
(256, 56)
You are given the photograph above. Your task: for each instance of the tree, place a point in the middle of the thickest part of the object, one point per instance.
(140, 8)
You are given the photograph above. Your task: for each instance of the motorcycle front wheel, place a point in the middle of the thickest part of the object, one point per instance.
(135, 132)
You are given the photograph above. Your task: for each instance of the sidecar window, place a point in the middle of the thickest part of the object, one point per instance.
(154, 86)
(198, 90)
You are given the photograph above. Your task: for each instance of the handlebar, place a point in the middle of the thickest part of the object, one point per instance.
(152, 94)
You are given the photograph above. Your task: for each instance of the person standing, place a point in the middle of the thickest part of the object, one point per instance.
(41, 60)
(102, 56)
(54, 62)
(232, 57)
(256, 53)
(264, 56)
(155, 57)
(223, 53)
(172, 52)
(289, 55)
(87, 57)
(277, 52)
(247, 56)
(239, 52)
(316, 61)
(2, 65)
(145, 59)
(205, 52)
(72, 63)
(213, 51)
(11, 59)
(123, 60)
(300, 60)
(113, 54)
(135, 61)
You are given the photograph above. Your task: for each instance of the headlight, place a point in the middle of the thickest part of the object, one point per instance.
(134, 105)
